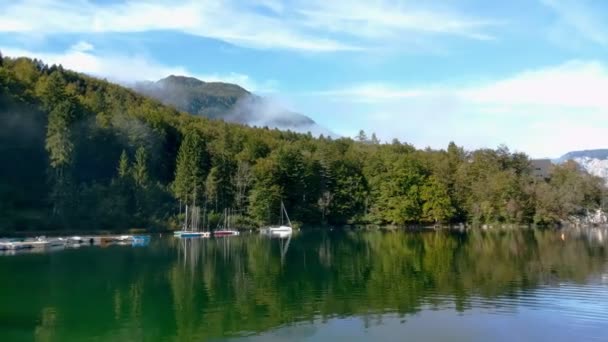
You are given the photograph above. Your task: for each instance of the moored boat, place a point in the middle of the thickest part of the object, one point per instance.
(225, 230)
(190, 229)
(281, 229)
(194, 234)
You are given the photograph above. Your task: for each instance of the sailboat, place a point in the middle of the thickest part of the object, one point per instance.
(282, 229)
(190, 228)
(226, 230)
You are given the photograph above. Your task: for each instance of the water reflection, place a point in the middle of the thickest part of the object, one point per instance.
(194, 289)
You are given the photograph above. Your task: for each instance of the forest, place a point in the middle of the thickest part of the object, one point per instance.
(80, 153)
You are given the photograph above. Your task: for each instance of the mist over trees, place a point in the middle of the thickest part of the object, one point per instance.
(81, 153)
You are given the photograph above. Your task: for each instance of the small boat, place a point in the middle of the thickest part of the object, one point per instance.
(281, 234)
(140, 240)
(57, 242)
(124, 238)
(75, 239)
(191, 222)
(9, 245)
(281, 229)
(195, 234)
(225, 231)
(39, 242)
(78, 240)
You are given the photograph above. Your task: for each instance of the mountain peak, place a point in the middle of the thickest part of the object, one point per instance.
(226, 101)
(181, 80)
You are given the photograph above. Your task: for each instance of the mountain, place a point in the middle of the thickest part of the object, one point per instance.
(593, 161)
(188, 94)
(226, 101)
(593, 154)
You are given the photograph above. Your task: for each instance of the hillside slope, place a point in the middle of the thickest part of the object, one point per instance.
(226, 101)
(210, 99)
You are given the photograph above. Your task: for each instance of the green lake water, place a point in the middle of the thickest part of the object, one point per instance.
(508, 285)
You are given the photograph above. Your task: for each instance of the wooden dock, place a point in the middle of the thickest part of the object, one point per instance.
(41, 243)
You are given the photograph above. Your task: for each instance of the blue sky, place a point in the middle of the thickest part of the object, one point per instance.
(531, 74)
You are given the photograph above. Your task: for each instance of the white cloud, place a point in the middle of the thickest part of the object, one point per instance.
(309, 25)
(544, 112)
(82, 57)
(371, 93)
(575, 84)
(120, 68)
(381, 19)
(83, 46)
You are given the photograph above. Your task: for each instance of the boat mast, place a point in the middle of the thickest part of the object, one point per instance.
(186, 219)
(204, 216)
(285, 211)
(194, 218)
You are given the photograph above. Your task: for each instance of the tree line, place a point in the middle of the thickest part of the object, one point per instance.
(82, 153)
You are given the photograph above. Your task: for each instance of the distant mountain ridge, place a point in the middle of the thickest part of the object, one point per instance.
(593, 161)
(593, 154)
(226, 101)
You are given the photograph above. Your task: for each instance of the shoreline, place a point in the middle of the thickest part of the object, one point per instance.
(352, 227)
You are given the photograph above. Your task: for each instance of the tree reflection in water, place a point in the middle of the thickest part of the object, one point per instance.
(196, 289)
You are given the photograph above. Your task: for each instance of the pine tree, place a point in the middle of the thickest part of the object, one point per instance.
(51, 90)
(375, 140)
(60, 147)
(140, 168)
(123, 165)
(58, 137)
(361, 137)
(191, 166)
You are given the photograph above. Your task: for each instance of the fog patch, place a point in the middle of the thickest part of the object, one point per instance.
(257, 111)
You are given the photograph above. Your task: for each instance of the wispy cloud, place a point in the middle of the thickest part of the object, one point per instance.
(579, 18)
(545, 112)
(305, 25)
(83, 57)
(382, 19)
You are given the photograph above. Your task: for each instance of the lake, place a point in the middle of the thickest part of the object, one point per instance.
(504, 285)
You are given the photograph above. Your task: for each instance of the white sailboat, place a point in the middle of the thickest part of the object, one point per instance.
(190, 229)
(281, 229)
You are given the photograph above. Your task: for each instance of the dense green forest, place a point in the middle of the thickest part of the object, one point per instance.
(82, 153)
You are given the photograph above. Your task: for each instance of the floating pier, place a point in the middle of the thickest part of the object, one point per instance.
(11, 246)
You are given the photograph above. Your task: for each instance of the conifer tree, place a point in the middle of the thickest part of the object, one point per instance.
(123, 165)
(361, 137)
(59, 143)
(190, 170)
(140, 168)
(375, 140)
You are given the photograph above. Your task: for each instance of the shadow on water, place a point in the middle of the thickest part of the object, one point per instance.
(179, 290)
